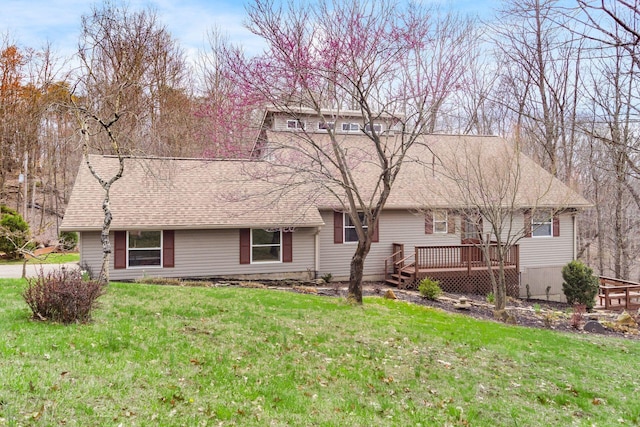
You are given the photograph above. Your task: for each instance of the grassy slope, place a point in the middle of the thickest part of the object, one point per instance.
(191, 356)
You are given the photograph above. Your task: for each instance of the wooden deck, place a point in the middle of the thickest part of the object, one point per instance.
(456, 261)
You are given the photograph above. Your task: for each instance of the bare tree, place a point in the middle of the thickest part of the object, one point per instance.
(384, 61)
(228, 122)
(128, 61)
(498, 196)
(540, 63)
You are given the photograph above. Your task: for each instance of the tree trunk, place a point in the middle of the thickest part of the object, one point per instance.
(357, 270)
(104, 239)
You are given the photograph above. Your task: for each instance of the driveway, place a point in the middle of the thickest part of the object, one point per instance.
(14, 271)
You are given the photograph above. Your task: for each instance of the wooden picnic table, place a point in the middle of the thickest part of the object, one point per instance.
(624, 292)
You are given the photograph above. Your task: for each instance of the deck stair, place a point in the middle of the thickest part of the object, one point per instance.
(403, 277)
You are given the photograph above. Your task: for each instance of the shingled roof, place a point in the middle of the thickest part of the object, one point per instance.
(432, 166)
(157, 193)
(185, 194)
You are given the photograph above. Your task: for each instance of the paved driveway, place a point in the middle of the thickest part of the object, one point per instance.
(14, 271)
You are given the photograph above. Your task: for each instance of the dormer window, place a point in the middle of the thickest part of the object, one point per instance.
(350, 127)
(326, 125)
(295, 125)
(377, 127)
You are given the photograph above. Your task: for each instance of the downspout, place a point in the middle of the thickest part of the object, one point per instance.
(575, 237)
(316, 262)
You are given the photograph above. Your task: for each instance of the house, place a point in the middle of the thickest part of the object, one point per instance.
(263, 219)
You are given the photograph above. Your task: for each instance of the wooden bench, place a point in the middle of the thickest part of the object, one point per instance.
(617, 293)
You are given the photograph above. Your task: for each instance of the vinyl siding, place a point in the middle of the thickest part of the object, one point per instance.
(209, 253)
(396, 226)
(548, 251)
(402, 226)
(311, 124)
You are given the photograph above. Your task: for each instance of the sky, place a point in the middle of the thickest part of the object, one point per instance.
(33, 23)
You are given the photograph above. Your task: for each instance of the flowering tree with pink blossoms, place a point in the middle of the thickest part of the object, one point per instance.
(385, 61)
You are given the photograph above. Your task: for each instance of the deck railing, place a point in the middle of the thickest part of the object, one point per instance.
(461, 256)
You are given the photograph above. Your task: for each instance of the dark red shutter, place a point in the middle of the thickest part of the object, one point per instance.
(245, 246)
(338, 232)
(168, 249)
(527, 223)
(451, 226)
(556, 226)
(287, 247)
(428, 222)
(119, 249)
(376, 232)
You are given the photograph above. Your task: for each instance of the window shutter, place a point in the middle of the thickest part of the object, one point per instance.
(451, 225)
(287, 247)
(338, 232)
(245, 246)
(428, 222)
(119, 249)
(376, 235)
(527, 223)
(168, 249)
(556, 225)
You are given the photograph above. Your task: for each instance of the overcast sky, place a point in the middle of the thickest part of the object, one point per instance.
(34, 22)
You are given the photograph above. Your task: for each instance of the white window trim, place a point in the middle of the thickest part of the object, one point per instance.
(297, 124)
(350, 127)
(436, 221)
(376, 126)
(265, 246)
(345, 218)
(144, 267)
(537, 225)
(328, 125)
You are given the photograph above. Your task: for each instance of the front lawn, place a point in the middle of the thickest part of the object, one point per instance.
(164, 355)
(53, 258)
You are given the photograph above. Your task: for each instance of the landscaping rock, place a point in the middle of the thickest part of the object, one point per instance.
(462, 304)
(625, 319)
(594, 326)
(505, 317)
(390, 295)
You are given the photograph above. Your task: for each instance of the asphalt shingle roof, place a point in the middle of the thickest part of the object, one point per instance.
(198, 194)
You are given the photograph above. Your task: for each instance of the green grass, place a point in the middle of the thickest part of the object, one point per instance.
(53, 258)
(162, 355)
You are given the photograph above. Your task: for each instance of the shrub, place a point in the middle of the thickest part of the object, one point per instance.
(430, 289)
(62, 296)
(578, 315)
(580, 286)
(491, 298)
(14, 232)
(327, 277)
(68, 240)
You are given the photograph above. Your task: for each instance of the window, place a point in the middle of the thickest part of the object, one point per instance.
(542, 224)
(350, 234)
(471, 229)
(326, 125)
(377, 127)
(266, 245)
(440, 221)
(144, 249)
(295, 124)
(350, 127)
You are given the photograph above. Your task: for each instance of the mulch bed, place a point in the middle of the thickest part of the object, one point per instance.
(529, 313)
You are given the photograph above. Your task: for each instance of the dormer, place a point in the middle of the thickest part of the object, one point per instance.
(340, 121)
